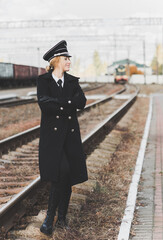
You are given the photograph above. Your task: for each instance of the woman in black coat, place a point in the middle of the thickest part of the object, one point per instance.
(61, 156)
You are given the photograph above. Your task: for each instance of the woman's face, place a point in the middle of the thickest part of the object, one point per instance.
(64, 63)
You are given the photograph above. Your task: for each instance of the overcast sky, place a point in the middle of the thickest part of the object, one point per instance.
(46, 9)
(70, 9)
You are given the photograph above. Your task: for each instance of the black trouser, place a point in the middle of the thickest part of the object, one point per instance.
(60, 191)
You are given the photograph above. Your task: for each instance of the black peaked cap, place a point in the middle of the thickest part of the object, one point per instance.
(60, 49)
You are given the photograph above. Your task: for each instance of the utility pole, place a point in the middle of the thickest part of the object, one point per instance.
(162, 51)
(128, 62)
(38, 53)
(115, 49)
(144, 62)
(157, 68)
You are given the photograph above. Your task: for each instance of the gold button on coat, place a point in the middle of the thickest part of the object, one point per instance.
(72, 130)
(69, 101)
(55, 129)
(61, 108)
(57, 117)
(69, 117)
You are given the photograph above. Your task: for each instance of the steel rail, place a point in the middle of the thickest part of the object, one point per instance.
(13, 207)
(20, 101)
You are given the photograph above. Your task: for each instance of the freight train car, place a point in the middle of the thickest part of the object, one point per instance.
(6, 74)
(14, 75)
(120, 75)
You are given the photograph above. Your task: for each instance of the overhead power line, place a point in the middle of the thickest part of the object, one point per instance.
(52, 23)
(81, 37)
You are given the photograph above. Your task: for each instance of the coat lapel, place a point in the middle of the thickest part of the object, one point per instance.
(53, 85)
(67, 89)
(65, 86)
(52, 82)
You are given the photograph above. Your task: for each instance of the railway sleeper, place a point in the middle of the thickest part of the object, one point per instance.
(25, 151)
(6, 178)
(4, 185)
(31, 147)
(21, 161)
(8, 192)
(19, 154)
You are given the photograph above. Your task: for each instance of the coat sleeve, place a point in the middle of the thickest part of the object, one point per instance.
(77, 101)
(46, 103)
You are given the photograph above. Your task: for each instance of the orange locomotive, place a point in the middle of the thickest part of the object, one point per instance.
(120, 75)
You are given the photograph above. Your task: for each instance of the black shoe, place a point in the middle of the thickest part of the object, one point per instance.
(47, 225)
(62, 223)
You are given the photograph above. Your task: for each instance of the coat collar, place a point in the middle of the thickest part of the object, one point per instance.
(67, 77)
(70, 77)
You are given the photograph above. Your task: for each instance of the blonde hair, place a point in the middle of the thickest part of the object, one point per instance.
(53, 63)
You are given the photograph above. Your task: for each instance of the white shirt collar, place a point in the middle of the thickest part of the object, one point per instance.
(56, 79)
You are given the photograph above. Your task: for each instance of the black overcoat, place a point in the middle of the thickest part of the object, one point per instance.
(59, 128)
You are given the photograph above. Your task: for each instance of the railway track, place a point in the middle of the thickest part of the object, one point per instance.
(99, 118)
(11, 101)
(17, 102)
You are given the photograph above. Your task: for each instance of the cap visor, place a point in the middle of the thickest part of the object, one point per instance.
(66, 55)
